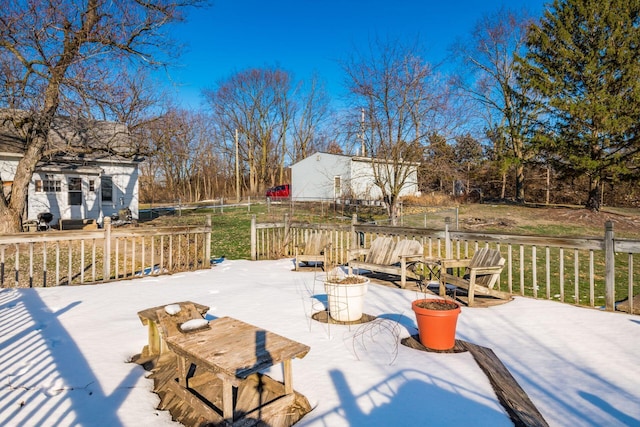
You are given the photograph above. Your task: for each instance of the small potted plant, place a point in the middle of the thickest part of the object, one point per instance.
(345, 294)
(437, 319)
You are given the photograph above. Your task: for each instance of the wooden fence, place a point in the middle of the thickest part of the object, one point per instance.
(87, 256)
(593, 272)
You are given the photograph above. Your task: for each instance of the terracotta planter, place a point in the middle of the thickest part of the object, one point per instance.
(346, 299)
(437, 328)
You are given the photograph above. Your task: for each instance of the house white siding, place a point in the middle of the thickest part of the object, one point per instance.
(51, 193)
(125, 188)
(314, 178)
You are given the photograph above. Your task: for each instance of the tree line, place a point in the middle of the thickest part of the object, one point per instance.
(542, 111)
(538, 110)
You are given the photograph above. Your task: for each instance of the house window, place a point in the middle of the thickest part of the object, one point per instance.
(337, 186)
(92, 185)
(75, 191)
(107, 189)
(48, 186)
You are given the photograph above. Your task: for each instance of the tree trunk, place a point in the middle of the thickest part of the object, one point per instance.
(503, 191)
(10, 221)
(393, 213)
(548, 185)
(520, 183)
(11, 216)
(593, 202)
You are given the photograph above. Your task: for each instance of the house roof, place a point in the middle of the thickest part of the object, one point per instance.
(68, 167)
(364, 159)
(72, 139)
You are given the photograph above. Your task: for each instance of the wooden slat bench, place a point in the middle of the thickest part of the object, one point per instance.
(387, 256)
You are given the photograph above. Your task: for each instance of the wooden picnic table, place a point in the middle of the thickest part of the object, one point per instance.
(233, 350)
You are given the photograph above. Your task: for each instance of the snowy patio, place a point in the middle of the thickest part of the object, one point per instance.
(64, 353)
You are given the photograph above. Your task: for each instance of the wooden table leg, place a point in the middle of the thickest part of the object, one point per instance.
(155, 344)
(182, 370)
(227, 400)
(288, 376)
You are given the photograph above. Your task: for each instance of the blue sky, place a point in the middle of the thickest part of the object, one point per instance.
(307, 36)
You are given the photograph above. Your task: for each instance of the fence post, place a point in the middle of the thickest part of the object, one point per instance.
(457, 219)
(207, 241)
(285, 243)
(609, 267)
(355, 240)
(254, 235)
(447, 238)
(106, 270)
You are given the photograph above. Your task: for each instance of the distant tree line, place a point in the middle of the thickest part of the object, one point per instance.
(541, 111)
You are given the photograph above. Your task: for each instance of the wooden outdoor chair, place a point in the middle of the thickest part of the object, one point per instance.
(312, 250)
(479, 278)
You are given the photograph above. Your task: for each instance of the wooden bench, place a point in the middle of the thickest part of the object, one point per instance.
(388, 256)
(480, 275)
(157, 332)
(78, 224)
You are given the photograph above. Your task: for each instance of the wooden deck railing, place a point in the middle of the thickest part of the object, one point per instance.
(87, 256)
(591, 271)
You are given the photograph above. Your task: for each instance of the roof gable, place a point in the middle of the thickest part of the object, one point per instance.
(70, 138)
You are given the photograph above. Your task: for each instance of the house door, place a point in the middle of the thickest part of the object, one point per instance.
(75, 197)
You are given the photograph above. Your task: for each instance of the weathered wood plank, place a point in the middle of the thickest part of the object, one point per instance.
(513, 398)
(196, 405)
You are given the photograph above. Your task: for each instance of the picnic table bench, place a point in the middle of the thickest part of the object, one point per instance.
(150, 318)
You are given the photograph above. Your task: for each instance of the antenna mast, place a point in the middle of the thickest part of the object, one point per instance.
(364, 153)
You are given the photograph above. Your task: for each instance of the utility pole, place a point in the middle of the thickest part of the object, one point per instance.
(237, 171)
(364, 153)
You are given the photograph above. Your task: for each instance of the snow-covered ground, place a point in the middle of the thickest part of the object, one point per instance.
(64, 354)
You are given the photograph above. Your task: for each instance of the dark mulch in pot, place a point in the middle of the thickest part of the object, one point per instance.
(437, 305)
(324, 317)
(414, 342)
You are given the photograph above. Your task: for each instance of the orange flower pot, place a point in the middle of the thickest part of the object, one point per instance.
(437, 327)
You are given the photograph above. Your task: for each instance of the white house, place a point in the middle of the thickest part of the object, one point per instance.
(76, 186)
(323, 176)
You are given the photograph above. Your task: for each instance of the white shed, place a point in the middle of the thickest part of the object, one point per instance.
(81, 186)
(325, 176)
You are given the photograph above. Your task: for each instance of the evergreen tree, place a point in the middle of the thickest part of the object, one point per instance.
(584, 60)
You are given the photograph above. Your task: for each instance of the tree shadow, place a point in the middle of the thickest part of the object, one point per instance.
(425, 397)
(41, 363)
(606, 407)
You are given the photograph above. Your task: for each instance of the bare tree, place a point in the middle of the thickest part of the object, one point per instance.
(185, 159)
(311, 110)
(403, 100)
(257, 104)
(438, 164)
(71, 58)
(489, 79)
(468, 155)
